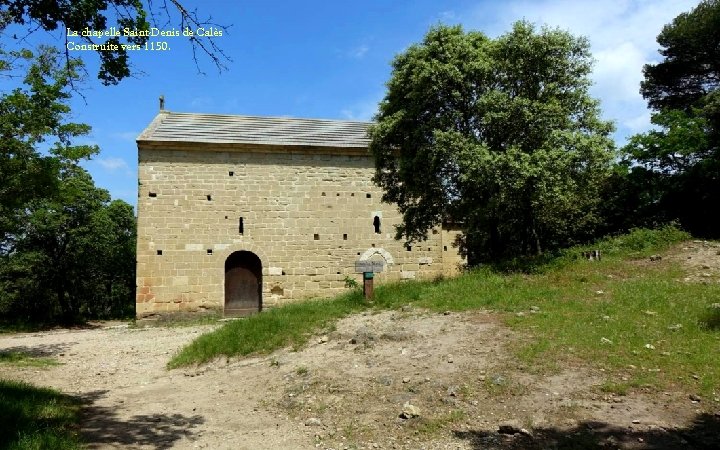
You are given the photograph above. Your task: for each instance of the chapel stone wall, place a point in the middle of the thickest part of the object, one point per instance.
(308, 216)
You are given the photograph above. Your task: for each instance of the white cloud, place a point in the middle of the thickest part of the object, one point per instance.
(447, 16)
(362, 110)
(622, 35)
(638, 124)
(112, 164)
(358, 52)
(612, 78)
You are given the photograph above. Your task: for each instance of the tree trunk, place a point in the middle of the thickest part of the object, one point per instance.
(65, 308)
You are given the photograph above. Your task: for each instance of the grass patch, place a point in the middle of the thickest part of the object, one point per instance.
(290, 325)
(615, 313)
(618, 388)
(37, 418)
(179, 319)
(433, 425)
(22, 359)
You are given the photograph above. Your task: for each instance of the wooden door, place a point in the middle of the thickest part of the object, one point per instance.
(243, 284)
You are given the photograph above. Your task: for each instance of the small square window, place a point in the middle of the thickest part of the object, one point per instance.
(368, 195)
(316, 237)
(209, 197)
(231, 173)
(159, 252)
(209, 251)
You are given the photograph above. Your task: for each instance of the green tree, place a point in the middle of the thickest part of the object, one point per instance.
(677, 143)
(681, 170)
(498, 135)
(688, 77)
(66, 251)
(74, 255)
(680, 159)
(30, 115)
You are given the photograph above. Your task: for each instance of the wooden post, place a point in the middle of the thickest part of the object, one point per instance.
(368, 269)
(368, 285)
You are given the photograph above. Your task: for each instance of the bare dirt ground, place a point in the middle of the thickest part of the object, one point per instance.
(405, 379)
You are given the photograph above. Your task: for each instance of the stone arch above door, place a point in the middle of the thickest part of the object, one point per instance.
(379, 251)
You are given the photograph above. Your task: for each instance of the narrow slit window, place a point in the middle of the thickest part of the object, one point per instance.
(376, 224)
(444, 247)
(152, 194)
(345, 237)
(241, 226)
(209, 197)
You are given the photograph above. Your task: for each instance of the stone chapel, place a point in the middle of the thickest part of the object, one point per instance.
(242, 213)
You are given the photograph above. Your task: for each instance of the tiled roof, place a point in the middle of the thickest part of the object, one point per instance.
(226, 129)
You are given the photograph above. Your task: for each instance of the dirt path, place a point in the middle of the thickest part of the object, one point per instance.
(348, 389)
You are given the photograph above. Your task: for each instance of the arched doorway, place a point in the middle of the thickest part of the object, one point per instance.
(243, 284)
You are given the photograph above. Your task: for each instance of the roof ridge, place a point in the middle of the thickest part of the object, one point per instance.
(251, 116)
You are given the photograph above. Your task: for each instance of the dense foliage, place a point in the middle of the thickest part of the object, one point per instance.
(688, 77)
(498, 135)
(673, 172)
(66, 251)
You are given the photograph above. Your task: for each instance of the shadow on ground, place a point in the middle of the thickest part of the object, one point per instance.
(704, 433)
(101, 427)
(44, 350)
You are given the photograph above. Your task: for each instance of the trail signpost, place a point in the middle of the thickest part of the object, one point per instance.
(369, 269)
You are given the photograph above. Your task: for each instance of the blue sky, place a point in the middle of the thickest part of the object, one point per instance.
(326, 59)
